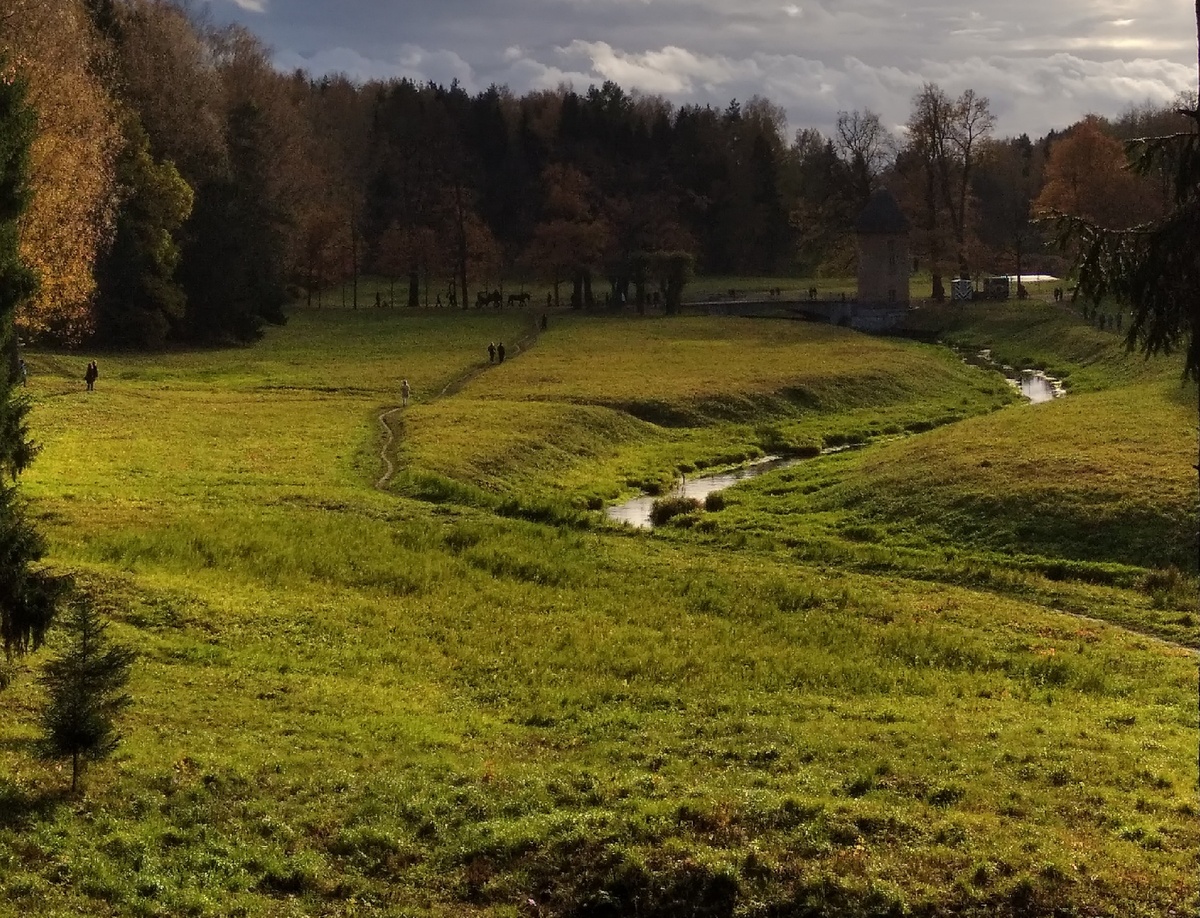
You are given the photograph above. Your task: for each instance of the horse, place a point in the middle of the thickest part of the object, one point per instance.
(518, 299)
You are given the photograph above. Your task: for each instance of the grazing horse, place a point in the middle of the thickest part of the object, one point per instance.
(518, 299)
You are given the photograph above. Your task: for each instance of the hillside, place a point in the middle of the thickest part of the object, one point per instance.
(469, 694)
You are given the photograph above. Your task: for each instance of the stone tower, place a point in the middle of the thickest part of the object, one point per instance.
(883, 255)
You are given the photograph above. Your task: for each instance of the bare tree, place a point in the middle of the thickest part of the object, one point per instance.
(944, 137)
(971, 121)
(866, 147)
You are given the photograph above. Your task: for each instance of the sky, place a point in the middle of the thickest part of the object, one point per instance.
(1043, 64)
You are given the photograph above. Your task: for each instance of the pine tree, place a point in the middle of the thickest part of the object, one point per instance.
(27, 595)
(139, 300)
(84, 691)
(1154, 269)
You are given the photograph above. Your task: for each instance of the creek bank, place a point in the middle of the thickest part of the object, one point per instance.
(1034, 385)
(636, 511)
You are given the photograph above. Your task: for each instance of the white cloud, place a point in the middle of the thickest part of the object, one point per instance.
(339, 60)
(668, 71)
(1043, 65)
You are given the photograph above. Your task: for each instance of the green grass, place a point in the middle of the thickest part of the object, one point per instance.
(353, 702)
(602, 406)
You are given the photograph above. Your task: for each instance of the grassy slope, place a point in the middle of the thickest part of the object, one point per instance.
(1104, 475)
(603, 405)
(351, 703)
(1098, 486)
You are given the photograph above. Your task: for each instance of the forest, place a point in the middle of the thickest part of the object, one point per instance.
(183, 189)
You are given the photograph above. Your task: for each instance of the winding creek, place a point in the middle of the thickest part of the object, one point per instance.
(636, 511)
(1034, 385)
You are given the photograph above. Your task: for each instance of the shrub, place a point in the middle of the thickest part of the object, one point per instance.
(665, 508)
(1169, 589)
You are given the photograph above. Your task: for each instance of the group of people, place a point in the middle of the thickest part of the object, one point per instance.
(495, 352)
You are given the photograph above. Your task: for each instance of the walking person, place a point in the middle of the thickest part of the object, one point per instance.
(23, 371)
(491, 352)
(500, 352)
(91, 375)
(405, 392)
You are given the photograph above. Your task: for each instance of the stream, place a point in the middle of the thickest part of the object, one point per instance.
(636, 511)
(1034, 385)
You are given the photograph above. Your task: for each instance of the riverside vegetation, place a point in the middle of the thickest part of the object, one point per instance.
(950, 673)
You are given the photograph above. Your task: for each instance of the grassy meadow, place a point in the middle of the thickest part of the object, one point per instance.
(948, 673)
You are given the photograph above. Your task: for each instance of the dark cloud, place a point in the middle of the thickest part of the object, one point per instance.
(1043, 65)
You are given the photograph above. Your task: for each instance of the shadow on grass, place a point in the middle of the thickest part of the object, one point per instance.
(22, 806)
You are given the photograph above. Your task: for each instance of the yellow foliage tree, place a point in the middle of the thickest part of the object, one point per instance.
(70, 217)
(1088, 175)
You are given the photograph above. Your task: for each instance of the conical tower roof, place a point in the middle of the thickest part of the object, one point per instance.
(882, 216)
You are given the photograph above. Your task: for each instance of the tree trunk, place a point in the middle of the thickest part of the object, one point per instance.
(461, 218)
(74, 771)
(354, 258)
(14, 353)
(931, 224)
(414, 289)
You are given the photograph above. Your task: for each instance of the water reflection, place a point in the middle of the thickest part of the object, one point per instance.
(1033, 384)
(1037, 386)
(636, 512)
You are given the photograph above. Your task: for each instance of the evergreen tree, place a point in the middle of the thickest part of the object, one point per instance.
(84, 691)
(27, 595)
(1154, 269)
(139, 299)
(234, 262)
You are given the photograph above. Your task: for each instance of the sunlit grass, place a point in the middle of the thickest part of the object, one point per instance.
(353, 702)
(602, 403)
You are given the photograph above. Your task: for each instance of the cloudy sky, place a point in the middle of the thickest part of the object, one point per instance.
(1043, 63)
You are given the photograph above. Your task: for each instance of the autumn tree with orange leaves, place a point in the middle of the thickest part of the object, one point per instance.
(572, 237)
(1088, 176)
(70, 216)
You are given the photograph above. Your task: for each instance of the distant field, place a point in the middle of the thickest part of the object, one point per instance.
(704, 287)
(469, 695)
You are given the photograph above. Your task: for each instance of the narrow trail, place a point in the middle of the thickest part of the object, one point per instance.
(455, 385)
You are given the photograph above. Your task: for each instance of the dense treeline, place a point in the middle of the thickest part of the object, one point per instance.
(182, 188)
